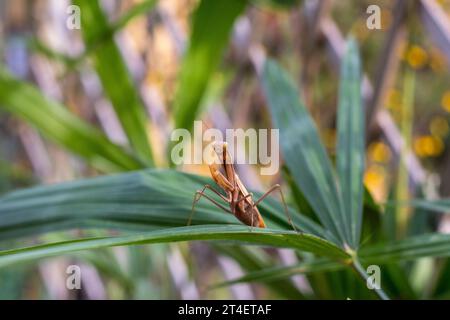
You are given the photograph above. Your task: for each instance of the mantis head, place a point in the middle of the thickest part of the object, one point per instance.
(221, 149)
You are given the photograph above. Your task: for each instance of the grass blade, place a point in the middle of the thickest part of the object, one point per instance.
(277, 273)
(138, 9)
(62, 127)
(264, 237)
(438, 205)
(429, 245)
(141, 200)
(350, 146)
(304, 153)
(212, 24)
(115, 78)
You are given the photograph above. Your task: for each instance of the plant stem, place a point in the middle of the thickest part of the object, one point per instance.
(360, 270)
(402, 185)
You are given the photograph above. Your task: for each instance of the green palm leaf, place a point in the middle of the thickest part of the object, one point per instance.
(438, 205)
(62, 127)
(115, 78)
(236, 233)
(276, 273)
(211, 25)
(428, 245)
(350, 146)
(301, 147)
(135, 201)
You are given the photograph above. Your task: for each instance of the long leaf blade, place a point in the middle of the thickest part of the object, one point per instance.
(115, 78)
(141, 200)
(438, 205)
(62, 127)
(276, 273)
(212, 23)
(428, 245)
(264, 237)
(350, 146)
(302, 149)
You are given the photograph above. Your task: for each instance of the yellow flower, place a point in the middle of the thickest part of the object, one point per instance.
(375, 179)
(416, 57)
(428, 146)
(379, 152)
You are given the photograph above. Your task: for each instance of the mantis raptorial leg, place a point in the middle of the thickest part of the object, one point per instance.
(224, 175)
(202, 193)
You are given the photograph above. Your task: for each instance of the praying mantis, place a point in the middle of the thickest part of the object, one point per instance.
(239, 200)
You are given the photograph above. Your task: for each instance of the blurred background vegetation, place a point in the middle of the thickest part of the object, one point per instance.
(106, 97)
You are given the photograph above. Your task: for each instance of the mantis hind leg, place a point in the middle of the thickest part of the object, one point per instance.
(199, 194)
(272, 189)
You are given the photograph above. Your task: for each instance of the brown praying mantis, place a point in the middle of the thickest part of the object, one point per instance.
(240, 201)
